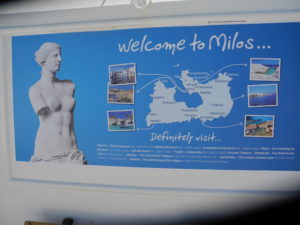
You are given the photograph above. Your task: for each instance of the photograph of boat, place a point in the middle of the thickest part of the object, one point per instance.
(121, 120)
(121, 74)
(259, 126)
(264, 95)
(265, 69)
(120, 94)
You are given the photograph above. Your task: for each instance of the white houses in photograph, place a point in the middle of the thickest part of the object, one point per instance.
(124, 75)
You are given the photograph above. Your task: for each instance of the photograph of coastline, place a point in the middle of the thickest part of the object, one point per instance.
(259, 126)
(120, 120)
(265, 69)
(121, 94)
(264, 95)
(122, 74)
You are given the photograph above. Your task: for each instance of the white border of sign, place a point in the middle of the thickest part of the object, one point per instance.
(125, 178)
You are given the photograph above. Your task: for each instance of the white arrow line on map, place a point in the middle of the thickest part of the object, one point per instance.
(231, 65)
(173, 81)
(148, 128)
(152, 74)
(161, 76)
(233, 125)
(242, 96)
(223, 68)
(139, 90)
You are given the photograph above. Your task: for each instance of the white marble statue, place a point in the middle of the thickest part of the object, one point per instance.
(53, 102)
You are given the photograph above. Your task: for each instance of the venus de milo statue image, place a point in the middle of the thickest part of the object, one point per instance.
(53, 102)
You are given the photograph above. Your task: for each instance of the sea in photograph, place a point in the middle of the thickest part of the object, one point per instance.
(120, 128)
(258, 119)
(259, 126)
(271, 70)
(121, 94)
(263, 100)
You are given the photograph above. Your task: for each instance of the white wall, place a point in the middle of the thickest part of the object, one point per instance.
(22, 200)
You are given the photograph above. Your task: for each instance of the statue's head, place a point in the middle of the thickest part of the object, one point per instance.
(48, 55)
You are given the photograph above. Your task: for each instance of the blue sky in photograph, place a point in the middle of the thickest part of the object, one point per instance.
(120, 114)
(266, 62)
(122, 87)
(121, 67)
(262, 89)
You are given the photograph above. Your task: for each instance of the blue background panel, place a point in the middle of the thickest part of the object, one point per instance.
(86, 57)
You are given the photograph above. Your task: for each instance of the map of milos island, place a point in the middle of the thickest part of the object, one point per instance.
(214, 92)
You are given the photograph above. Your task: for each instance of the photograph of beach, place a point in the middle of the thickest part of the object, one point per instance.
(121, 120)
(259, 126)
(121, 74)
(120, 94)
(264, 95)
(265, 69)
